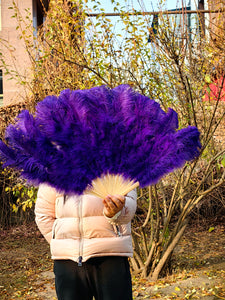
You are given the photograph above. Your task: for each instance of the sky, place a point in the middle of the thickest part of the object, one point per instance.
(139, 5)
(148, 5)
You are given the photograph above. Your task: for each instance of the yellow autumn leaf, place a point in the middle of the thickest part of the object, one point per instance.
(207, 78)
(177, 289)
(15, 208)
(24, 206)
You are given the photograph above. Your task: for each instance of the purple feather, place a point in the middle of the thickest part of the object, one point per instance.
(80, 135)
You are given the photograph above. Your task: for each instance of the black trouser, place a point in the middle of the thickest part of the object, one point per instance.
(104, 278)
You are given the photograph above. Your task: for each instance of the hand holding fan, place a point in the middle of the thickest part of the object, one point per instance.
(101, 141)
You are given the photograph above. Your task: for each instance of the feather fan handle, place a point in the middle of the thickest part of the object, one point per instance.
(111, 184)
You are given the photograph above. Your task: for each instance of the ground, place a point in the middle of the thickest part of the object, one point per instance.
(198, 267)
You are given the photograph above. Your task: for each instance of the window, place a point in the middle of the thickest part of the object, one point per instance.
(1, 88)
(40, 7)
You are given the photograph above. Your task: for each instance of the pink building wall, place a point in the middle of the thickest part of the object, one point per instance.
(17, 58)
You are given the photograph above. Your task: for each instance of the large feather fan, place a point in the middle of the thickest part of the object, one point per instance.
(98, 141)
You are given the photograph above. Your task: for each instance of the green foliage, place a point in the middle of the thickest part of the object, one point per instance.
(223, 161)
(17, 199)
(23, 196)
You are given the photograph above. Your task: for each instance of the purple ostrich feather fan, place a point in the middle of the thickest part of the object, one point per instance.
(81, 135)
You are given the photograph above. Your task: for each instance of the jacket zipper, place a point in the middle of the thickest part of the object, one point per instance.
(53, 230)
(117, 229)
(80, 257)
(56, 217)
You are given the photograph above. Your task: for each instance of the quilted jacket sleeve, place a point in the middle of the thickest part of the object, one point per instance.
(45, 210)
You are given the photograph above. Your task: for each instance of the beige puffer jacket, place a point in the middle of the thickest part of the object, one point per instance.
(76, 228)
